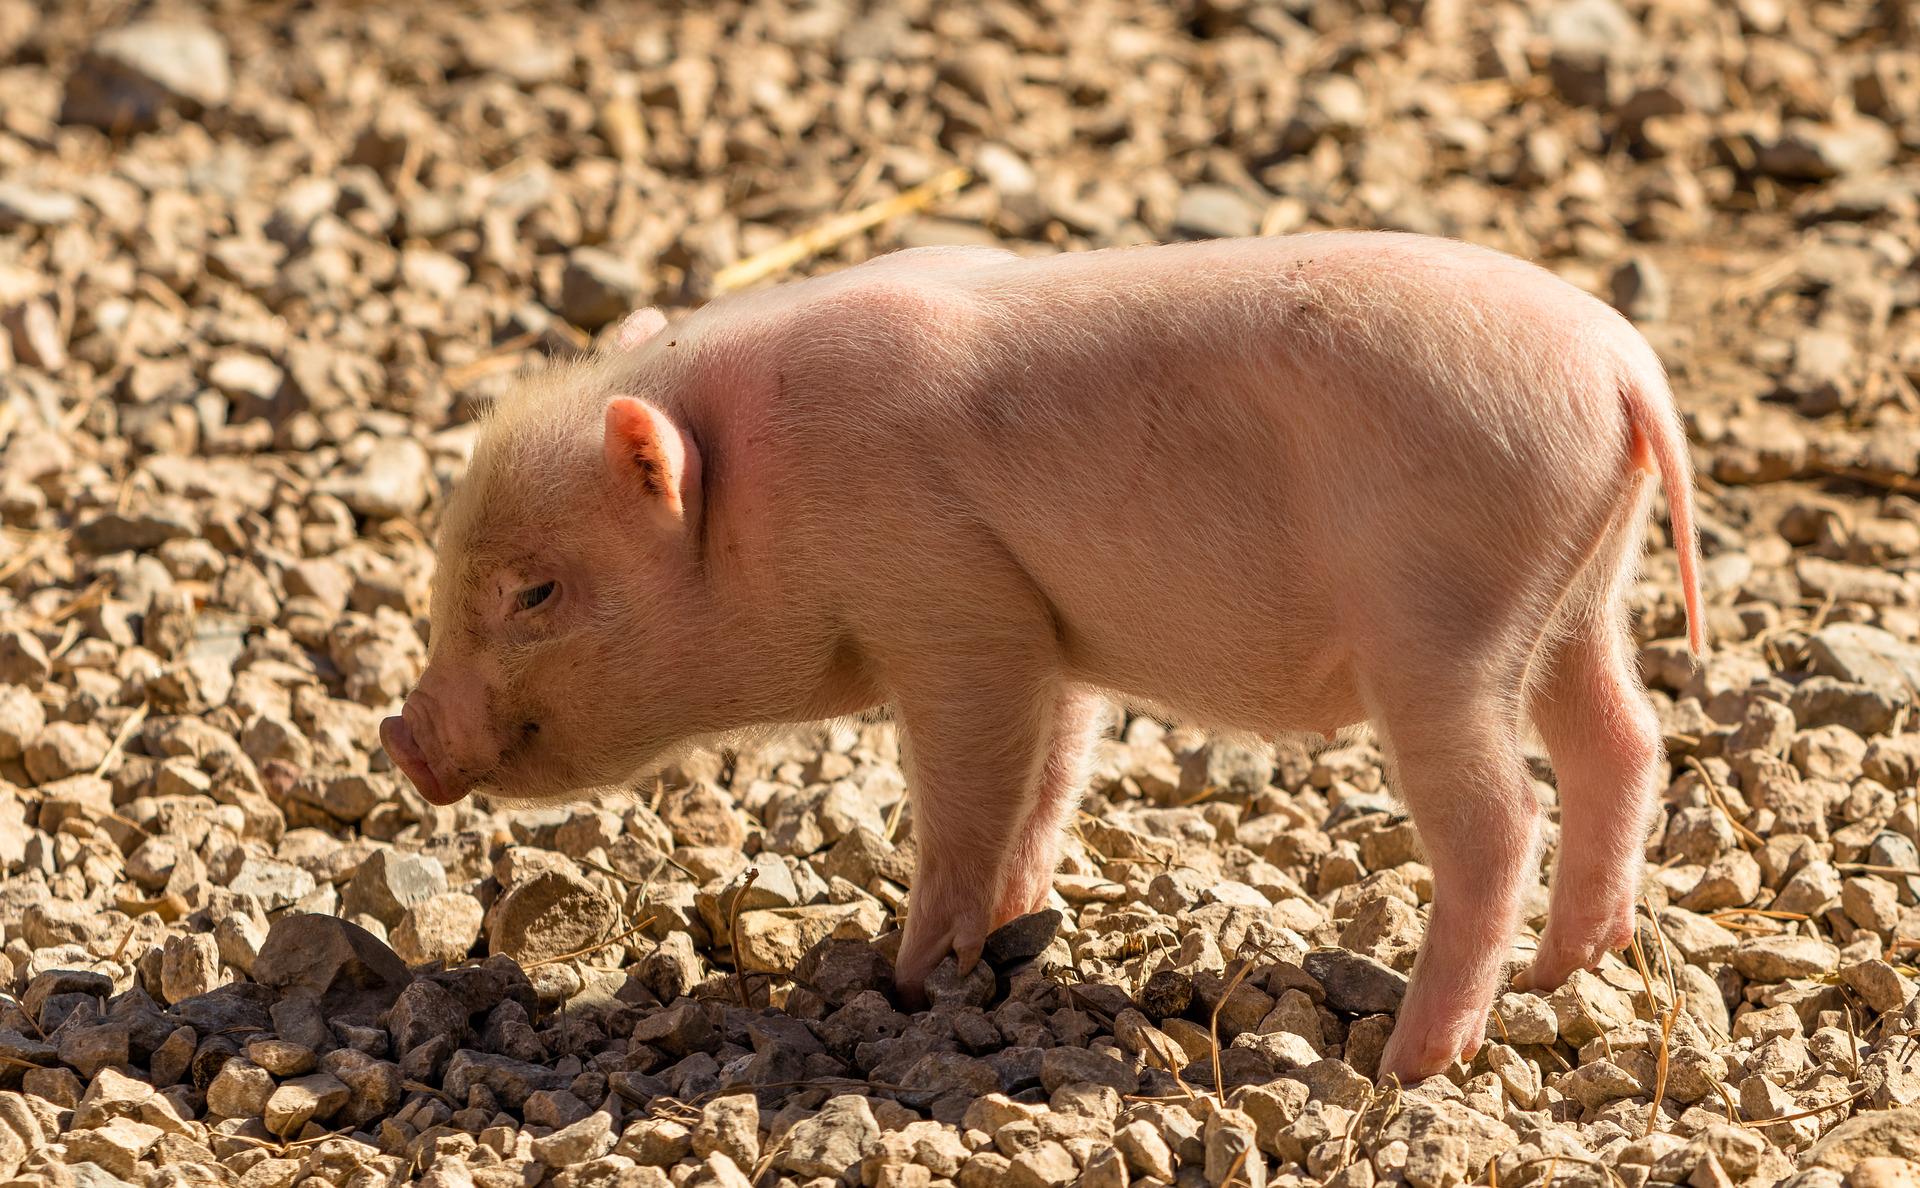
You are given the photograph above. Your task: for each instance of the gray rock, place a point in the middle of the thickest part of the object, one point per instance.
(1811, 151)
(832, 1141)
(1022, 939)
(374, 1086)
(392, 480)
(1214, 212)
(588, 1139)
(423, 1011)
(144, 528)
(344, 966)
(1640, 290)
(598, 288)
(1060, 1067)
(389, 882)
(1356, 984)
(512, 1081)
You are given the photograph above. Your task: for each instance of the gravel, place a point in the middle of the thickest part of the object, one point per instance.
(261, 269)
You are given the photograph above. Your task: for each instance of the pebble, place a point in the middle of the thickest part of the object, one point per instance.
(439, 928)
(130, 75)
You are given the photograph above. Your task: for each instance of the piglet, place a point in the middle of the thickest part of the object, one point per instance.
(1284, 484)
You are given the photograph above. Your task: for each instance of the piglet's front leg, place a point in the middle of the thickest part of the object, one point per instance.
(977, 735)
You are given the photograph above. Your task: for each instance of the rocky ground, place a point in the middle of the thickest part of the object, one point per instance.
(262, 264)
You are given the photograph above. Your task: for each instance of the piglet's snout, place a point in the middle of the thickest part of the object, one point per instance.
(396, 735)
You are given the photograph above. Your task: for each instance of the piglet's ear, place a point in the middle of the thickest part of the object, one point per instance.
(638, 327)
(651, 460)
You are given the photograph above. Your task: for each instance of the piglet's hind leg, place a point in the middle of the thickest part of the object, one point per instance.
(1605, 745)
(1028, 879)
(1462, 776)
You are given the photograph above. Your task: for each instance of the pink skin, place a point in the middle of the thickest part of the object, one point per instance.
(1270, 485)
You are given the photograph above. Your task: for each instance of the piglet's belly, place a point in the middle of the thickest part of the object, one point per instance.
(1248, 661)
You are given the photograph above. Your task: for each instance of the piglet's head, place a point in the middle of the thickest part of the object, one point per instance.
(567, 596)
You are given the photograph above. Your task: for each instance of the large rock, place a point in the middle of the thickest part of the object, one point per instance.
(774, 940)
(389, 882)
(441, 928)
(1356, 984)
(833, 1140)
(353, 975)
(132, 74)
(549, 915)
(1867, 1135)
(392, 480)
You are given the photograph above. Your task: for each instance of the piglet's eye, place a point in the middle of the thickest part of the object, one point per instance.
(531, 597)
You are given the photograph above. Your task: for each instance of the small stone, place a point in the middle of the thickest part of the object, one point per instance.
(1356, 984)
(440, 928)
(1214, 212)
(774, 941)
(90, 1049)
(1870, 1134)
(273, 883)
(1811, 151)
(1047, 1163)
(293, 1104)
(1022, 939)
(21, 720)
(1586, 1008)
(730, 1126)
(190, 967)
(588, 1139)
(1863, 654)
(1731, 880)
(656, 1142)
(1523, 1019)
(391, 481)
(1777, 958)
(342, 965)
(116, 1147)
(1060, 1067)
(701, 815)
(374, 1086)
(1878, 984)
(1145, 1151)
(131, 74)
(240, 1090)
(832, 1141)
(65, 749)
(281, 1057)
(33, 206)
(598, 288)
(1640, 290)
